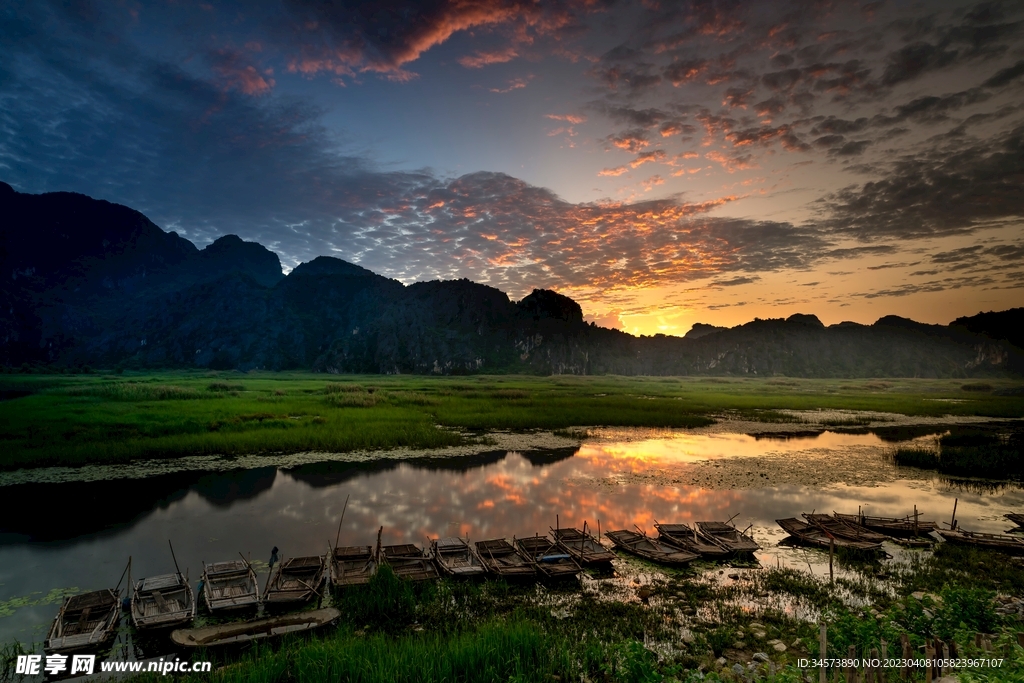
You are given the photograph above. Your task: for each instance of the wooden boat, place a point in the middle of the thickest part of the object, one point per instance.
(85, 622)
(649, 548)
(809, 534)
(455, 557)
(841, 529)
(295, 581)
(1003, 542)
(1017, 518)
(409, 562)
(901, 527)
(727, 536)
(583, 547)
(686, 537)
(550, 560)
(234, 633)
(229, 586)
(162, 602)
(503, 559)
(352, 565)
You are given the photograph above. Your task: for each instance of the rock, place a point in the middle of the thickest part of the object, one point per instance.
(721, 661)
(760, 657)
(686, 636)
(739, 645)
(757, 625)
(738, 669)
(759, 634)
(734, 577)
(796, 643)
(779, 646)
(917, 595)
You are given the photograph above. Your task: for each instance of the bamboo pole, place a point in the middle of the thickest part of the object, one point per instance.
(822, 650)
(952, 522)
(173, 557)
(831, 554)
(338, 537)
(906, 653)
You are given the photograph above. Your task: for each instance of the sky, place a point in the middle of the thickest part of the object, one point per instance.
(663, 163)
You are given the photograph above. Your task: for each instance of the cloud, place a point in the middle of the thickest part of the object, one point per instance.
(350, 37)
(735, 281)
(654, 155)
(631, 141)
(568, 118)
(610, 320)
(514, 84)
(939, 191)
(234, 72)
(481, 59)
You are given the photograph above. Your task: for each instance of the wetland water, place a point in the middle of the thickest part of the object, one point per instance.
(78, 534)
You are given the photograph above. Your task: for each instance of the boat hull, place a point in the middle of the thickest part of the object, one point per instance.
(237, 634)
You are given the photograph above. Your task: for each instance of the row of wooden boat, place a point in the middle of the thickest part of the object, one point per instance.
(89, 621)
(860, 532)
(855, 532)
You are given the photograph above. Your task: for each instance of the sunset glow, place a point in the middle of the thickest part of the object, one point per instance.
(662, 163)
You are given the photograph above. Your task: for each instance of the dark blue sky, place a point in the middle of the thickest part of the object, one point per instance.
(662, 162)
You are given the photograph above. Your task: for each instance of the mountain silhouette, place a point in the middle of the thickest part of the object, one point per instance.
(88, 282)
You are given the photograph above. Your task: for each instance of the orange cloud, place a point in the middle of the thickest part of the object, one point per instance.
(234, 74)
(514, 84)
(346, 42)
(646, 157)
(617, 171)
(568, 118)
(481, 59)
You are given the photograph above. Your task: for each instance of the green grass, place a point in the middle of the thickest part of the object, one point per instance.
(78, 419)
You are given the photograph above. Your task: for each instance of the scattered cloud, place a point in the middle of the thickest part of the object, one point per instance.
(481, 58)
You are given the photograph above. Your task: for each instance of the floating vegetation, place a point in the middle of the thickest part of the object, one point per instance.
(54, 597)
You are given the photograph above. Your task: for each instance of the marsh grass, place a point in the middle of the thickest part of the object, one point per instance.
(970, 452)
(76, 419)
(136, 391)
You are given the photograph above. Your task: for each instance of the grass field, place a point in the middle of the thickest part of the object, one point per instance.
(91, 418)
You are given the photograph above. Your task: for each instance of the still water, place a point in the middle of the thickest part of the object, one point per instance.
(79, 535)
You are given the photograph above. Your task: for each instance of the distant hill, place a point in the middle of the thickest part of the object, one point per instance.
(1008, 325)
(87, 282)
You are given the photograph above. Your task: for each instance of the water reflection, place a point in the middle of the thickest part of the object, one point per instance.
(621, 479)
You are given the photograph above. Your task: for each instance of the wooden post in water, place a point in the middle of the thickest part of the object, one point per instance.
(916, 530)
(338, 537)
(952, 522)
(906, 654)
(831, 553)
(822, 650)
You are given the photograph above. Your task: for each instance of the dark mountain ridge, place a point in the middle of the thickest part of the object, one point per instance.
(87, 282)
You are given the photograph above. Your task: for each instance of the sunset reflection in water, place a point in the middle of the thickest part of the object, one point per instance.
(619, 478)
